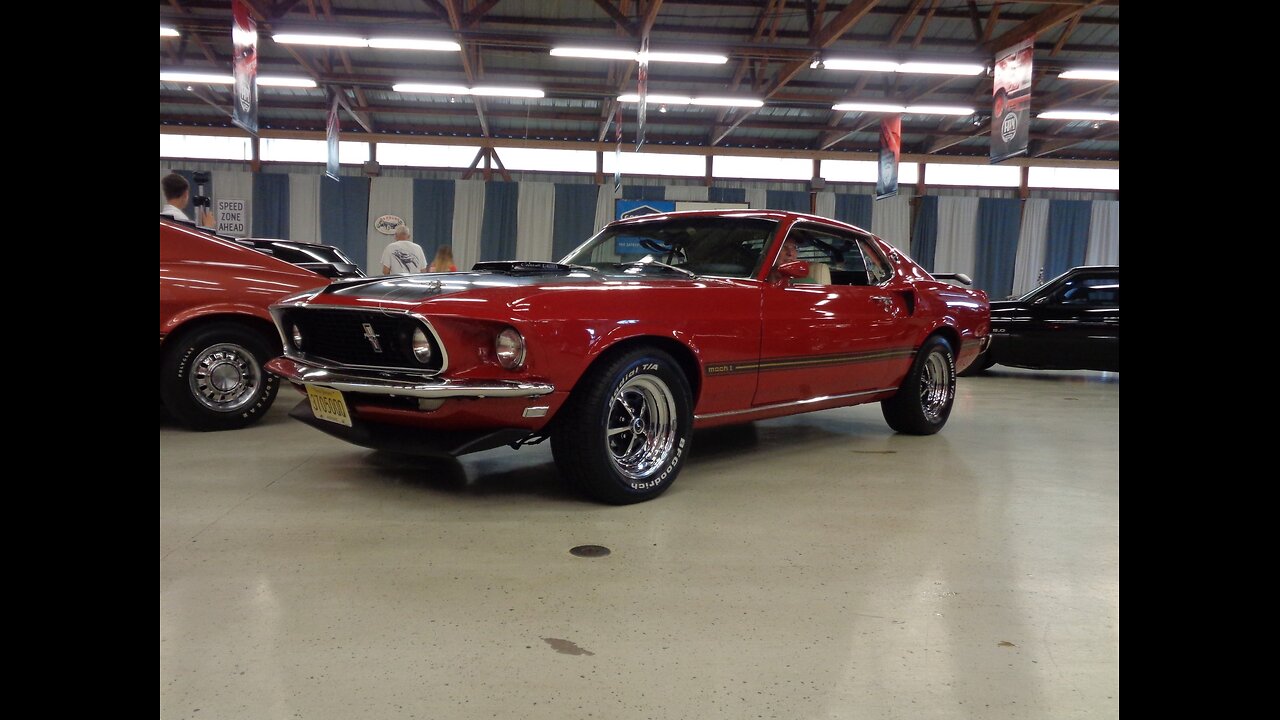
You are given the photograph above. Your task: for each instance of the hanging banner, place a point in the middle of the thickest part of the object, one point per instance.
(642, 87)
(331, 128)
(1011, 102)
(617, 153)
(890, 149)
(244, 36)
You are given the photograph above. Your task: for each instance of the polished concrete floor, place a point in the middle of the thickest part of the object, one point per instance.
(817, 566)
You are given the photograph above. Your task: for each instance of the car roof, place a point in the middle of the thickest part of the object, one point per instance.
(763, 214)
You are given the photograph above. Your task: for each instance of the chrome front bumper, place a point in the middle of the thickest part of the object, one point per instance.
(381, 382)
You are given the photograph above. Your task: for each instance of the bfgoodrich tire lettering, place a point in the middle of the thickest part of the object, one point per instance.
(625, 430)
(214, 377)
(924, 400)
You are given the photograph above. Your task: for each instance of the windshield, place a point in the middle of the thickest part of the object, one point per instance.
(721, 246)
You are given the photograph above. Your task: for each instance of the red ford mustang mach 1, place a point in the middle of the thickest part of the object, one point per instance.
(656, 325)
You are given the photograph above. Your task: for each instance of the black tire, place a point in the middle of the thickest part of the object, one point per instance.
(624, 433)
(980, 364)
(214, 377)
(924, 400)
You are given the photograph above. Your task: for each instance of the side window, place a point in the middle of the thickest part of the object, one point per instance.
(877, 267)
(1088, 291)
(824, 253)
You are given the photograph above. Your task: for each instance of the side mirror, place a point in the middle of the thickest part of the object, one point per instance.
(795, 269)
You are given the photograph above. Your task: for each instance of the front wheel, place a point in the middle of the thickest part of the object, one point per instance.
(625, 430)
(213, 378)
(924, 400)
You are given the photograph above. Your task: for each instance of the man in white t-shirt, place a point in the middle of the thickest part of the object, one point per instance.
(177, 195)
(403, 256)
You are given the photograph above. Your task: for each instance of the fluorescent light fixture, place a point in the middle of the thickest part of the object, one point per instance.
(654, 56)
(937, 110)
(865, 65)
(196, 77)
(660, 99)
(392, 43)
(1079, 115)
(1090, 75)
(684, 57)
(937, 68)
(494, 91)
(282, 81)
(488, 91)
(217, 79)
(868, 107)
(168, 32)
(385, 43)
(599, 53)
(728, 101)
(334, 40)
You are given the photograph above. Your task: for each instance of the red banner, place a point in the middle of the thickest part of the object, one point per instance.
(642, 87)
(890, 151)
(1011, 101)
(244, 36)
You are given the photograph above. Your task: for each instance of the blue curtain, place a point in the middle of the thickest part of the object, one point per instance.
(575, 217)
(1067, 237)
(432, 214)
(727, 195)
(793, 200)
(498, 230)
(997, 245)
(855, 210)
(270, 209)
(924, 236)
(644, 192)
(344, 215)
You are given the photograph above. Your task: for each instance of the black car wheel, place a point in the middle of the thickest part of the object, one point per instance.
(625, 430)
(924, 400)
(213, 378)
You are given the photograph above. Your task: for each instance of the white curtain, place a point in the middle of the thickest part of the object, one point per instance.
(468, 217)
(1031, 243)
(387, 196)
(232, 185)
(826, 205)
(1104, 234)
(604, 207)
(535, 220)
(687, 192)
(304, 209)
(891, 221)
(757, 199)
(957, 235)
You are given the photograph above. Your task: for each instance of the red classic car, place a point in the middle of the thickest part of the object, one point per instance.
(215, 331)
(656, 325)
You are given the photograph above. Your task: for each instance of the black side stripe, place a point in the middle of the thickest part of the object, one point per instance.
(805, 361)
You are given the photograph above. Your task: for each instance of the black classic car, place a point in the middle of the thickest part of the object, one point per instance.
(1071, 322)
(326, 260)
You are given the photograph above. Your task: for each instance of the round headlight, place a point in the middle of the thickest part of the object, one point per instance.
(421, 346)
(297, 337)
(509, 347)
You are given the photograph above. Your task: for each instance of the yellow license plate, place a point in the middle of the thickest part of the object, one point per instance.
(327, 404)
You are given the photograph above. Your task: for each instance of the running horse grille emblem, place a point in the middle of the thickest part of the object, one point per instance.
(372, 337)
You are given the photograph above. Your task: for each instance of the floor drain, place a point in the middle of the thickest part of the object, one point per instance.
(590, 551)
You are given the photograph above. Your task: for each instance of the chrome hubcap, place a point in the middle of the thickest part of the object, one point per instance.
(225, 377)
(641, 432)
(936, 386)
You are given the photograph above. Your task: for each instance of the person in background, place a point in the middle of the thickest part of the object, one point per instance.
(177, 195)
(444, 260)
(403, 255)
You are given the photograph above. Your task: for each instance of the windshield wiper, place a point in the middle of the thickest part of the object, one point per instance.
(651, 262)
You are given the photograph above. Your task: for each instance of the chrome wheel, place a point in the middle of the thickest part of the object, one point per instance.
(936, 386)
(225, 377)
(642, 427)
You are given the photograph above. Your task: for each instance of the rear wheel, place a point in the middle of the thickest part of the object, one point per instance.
(924, 400)
(213, 378)
(625, 430)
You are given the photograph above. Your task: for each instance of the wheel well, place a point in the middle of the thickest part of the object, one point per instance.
(949, 334)
(676, 349)
(266, 329)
